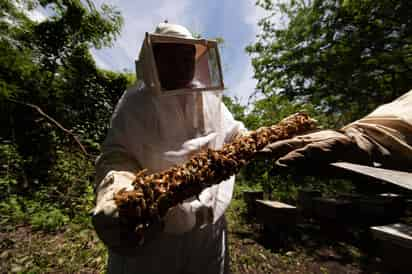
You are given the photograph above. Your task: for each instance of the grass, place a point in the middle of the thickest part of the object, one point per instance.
(74, 249)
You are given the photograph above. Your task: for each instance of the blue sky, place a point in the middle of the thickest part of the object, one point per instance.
(234, 21)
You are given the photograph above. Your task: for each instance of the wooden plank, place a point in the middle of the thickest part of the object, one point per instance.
(275, 204)
(394, 245)
(400, 178)
(400, 234)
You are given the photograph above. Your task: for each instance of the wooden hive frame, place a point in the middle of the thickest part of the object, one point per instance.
(154, 194)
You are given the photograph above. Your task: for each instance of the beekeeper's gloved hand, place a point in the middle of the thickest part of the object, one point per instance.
(383, 137)
(312, 151)
(118, 233)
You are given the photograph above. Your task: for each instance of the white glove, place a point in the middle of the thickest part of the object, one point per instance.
(112, 183)
(118, 236)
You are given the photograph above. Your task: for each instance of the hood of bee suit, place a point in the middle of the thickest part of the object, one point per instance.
(145, 65)
(173, 30)
(207, 72)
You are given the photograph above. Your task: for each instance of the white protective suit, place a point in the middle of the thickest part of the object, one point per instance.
(154, 133)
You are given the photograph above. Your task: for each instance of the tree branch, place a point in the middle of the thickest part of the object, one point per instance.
(57, 124)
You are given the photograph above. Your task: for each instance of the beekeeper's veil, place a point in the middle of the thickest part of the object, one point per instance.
(176, 117)
(207, 74)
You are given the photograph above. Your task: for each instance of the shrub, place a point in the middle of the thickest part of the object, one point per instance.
(49, 219)
(10, 168)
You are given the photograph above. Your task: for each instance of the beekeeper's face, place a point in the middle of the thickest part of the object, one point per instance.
(175, 64)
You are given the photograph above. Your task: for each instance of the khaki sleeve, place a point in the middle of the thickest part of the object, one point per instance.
(390, 126)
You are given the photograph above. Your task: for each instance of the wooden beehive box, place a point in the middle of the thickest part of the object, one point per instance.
(250, 198)
(382, 208)
(276, 213)
(333, 209)
(394, 246)
(305, 201)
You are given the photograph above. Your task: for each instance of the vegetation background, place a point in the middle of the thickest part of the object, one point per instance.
(336, 59)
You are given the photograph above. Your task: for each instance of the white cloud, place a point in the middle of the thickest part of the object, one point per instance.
(141, 17)
(100, 62)
(244, 83)
(252, 17)
(245, 87)
(37, 15)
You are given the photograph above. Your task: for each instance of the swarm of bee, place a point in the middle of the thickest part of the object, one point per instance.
(154, 194)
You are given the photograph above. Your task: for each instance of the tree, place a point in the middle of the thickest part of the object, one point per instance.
(344, 56)
(46, 67)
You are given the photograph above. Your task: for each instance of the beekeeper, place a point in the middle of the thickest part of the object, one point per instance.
(174, 111)
(382, 139)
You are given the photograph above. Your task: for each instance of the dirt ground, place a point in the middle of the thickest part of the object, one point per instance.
(79, 251)
(305, 249)
(309, 251)
(73, 250)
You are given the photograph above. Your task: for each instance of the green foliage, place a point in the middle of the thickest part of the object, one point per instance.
(345, 57)
(48, 219)
(48, 64)
(258, 175)
(336, 60)
(236, 212)
(10, 164)
(12, 211)
(70, 185)
(16, 209)
(238, 111)
(45, 180)
(67, 195)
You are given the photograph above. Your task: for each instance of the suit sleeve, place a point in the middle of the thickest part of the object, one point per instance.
(390, 127)
(232, 126)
